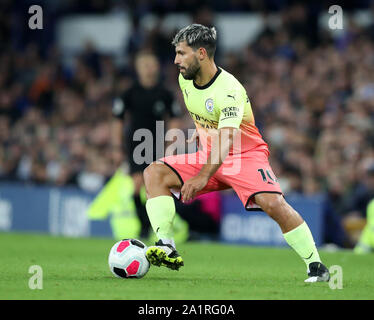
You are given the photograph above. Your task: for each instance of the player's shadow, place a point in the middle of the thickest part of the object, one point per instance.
(164, 278)
(150, 278)
(177, 278)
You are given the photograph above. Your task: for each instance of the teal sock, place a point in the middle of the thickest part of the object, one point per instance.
(301, 240)
(161, 213)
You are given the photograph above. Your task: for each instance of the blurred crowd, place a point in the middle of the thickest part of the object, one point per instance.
(312, 97)
(315, 108)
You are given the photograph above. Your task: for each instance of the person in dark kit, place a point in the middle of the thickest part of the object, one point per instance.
(140, 107)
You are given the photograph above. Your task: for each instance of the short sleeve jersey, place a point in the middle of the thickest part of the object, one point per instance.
(223, 102)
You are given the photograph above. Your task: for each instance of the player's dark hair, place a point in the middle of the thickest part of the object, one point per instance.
(197, 36)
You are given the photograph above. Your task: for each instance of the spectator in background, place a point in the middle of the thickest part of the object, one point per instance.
(362, 194)
(147, 101)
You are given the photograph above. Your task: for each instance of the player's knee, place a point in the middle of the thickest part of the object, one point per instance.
(273, 205)
(149, 173)
(153, 174)
(159, 179)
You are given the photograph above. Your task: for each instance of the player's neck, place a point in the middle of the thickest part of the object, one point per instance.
(206, 73)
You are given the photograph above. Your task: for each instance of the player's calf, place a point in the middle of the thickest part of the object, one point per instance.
(279, 210)
(296, 233)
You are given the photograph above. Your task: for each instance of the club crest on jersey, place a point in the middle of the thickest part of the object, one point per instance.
(209, 105)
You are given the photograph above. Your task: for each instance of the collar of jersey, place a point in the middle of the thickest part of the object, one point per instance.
(210, 82)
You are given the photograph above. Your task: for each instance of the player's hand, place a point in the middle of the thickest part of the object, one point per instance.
(194, 137)
(193, 186)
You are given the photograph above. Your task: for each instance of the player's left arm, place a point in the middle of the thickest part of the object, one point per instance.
(228, 126)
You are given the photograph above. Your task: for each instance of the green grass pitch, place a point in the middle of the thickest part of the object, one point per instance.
(78, 269)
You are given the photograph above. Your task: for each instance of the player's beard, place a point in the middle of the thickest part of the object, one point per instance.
(192, 70)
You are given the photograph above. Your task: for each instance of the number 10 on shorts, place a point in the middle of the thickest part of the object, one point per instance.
(266, 176)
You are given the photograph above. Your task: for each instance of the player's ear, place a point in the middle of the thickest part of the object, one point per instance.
(202, 53)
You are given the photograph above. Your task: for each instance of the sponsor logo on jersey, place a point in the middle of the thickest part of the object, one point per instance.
(204, 122)
(230, 112)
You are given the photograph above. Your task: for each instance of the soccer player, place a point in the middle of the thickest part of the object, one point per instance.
(232, 155)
